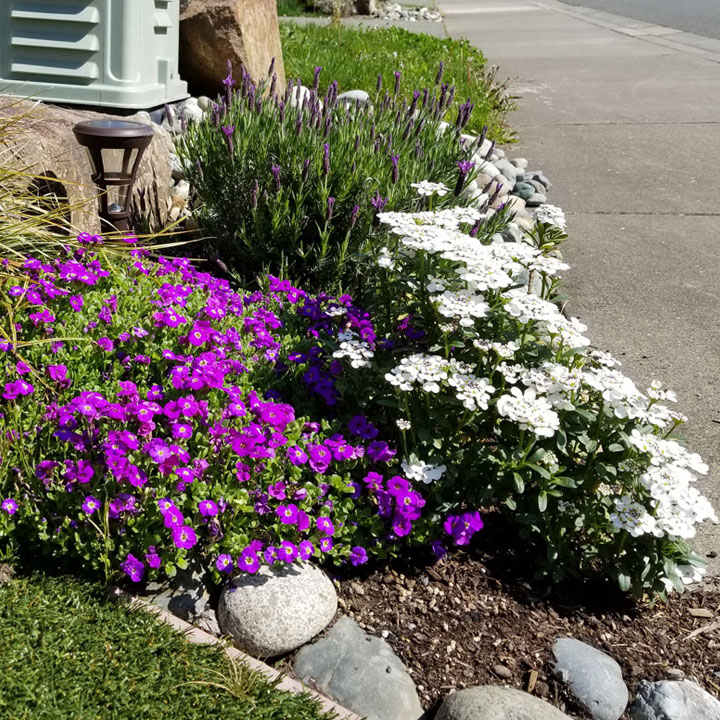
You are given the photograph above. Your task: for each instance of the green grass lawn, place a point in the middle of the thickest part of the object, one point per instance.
(69, 653)
(354, 57)
(294, 8)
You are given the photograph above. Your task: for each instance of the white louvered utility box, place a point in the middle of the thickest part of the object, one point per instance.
(110, 53)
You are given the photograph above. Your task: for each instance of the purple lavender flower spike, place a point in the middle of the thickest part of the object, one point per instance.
(255, 192)
(438, 79)
(330, 207)
(275, 169)
(229, 130)
(316, 79)
(395, 169)
(379, 83)
(326, 159)
(465, 167)
(354, 215)
(398, 75)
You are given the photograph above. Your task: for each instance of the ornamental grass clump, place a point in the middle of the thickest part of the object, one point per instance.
(290, 180)
(496, 401)
(139, 429)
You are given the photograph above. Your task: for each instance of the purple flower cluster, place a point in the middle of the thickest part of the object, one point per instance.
(169, 433)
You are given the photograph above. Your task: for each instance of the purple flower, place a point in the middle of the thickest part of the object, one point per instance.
(306, 550)
(438, 549)
(462, 527)
(181, 431)
(58, 373)
(325, 525)
(330, 207)
(207, 508)
(229, 130)
(287, 552)
(248, 561)
(133, 568)
(398, 75)
(9, 506)
(358, 556)
(326, 160)
(326, 544)
(172, 517)
(296, 455)
(465, 167)
(275, 170)
(152, 558)
(288, 514)
(90, 505)
(184, 537)
(320, 458)
(395, 174)
(224, 563)
(380, 451)
(270, 555)
(277, 490)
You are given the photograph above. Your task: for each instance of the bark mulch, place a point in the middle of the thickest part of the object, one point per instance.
(478, 617)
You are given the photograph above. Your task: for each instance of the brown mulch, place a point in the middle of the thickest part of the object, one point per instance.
(474, 618)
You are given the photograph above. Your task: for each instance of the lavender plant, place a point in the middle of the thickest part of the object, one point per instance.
(290, 180)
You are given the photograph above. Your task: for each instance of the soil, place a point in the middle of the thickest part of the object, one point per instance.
(477, 617)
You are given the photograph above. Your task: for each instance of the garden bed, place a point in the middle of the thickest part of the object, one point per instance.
(479, 618)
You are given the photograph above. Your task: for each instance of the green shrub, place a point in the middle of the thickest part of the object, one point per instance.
(293, 189)
(354, 57)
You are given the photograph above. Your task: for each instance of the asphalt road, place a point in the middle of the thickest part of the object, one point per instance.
(696, 16)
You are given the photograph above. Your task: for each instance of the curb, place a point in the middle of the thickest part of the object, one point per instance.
(195, 635)
(680, 40)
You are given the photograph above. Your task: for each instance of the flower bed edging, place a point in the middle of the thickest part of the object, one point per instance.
(195, 635)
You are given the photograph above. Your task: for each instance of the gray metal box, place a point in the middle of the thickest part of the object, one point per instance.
(111, 53)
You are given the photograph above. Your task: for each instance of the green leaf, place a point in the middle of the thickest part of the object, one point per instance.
(519, 483)
(542, 501)
(615, 448)
(624, 581)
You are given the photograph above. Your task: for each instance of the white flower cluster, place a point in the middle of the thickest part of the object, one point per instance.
(530, 411)
(472, 391)
(427, 188)
(502, 350)
(427, 371)
(421, 471)
(462, 306)
(358, 351)
(552, 215)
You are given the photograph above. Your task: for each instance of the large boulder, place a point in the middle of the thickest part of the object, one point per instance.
(492, 702)
(241, 31)
(44, 144)
(278, 609)
(361, 672)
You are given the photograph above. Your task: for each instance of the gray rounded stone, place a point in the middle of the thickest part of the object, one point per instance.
(519, 163)
(278, 609)
(536, 199)
(595, 679)
(491, 702)
(523, 190)
(361, 672)
(354, 96)
(674, 700)
(507, 169)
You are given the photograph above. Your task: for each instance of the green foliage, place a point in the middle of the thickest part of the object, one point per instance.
(293, 188)
(69, 652)
(354, 57)
(294, 8)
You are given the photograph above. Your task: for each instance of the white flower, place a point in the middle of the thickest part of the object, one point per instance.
(336, 311)
(552, 215)
(633, 517)
(422, 471)
(527, 307)
(529, 411)
(385, 259)
(403, 424)
(463, 306)
(503, 350)
(358, 351)
(473, 392)
(428, 188)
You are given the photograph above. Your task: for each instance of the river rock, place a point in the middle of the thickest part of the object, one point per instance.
(536, 199)
(352, 97)
(278, 609)
(44, 144)
(674, 700)
(191, 110)
(595, 679)
(361, 672)
(519, 163)
(242, 31)
(507, 169)
(491, 702)
(523, 190)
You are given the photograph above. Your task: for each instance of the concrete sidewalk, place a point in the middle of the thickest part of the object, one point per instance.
(627, 126)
